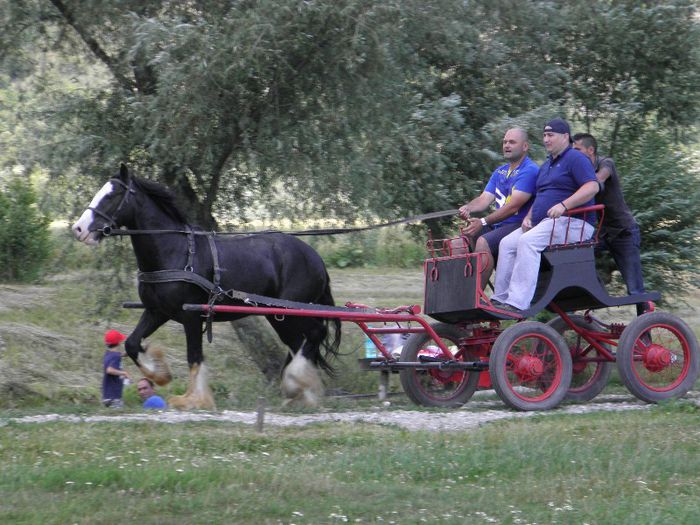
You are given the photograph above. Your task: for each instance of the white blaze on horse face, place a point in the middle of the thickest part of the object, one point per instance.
(80, 228)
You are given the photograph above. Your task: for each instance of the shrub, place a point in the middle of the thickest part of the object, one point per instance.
(24, 234)
(394, 247)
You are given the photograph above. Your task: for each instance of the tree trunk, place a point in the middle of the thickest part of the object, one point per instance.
(262, 345)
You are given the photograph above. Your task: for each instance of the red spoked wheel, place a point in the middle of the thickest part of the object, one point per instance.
(590, 371)
(434, 387)
(530, 366)
(658, 357)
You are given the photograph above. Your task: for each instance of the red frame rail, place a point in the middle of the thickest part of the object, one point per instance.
(403, 314)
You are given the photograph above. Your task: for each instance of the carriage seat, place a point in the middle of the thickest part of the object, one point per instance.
(567, 277)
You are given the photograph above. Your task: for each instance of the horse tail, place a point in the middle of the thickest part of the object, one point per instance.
(331, 341)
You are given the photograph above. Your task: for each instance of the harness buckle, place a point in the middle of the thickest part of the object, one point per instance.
(189, 268)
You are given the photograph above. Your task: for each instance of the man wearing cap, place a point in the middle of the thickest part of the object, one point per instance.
(510, 187)
(112, 379)
(565, 181)
(619, 232)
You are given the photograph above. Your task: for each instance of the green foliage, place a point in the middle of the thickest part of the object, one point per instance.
(24, 234)
(388, 247)
(347, 257)
(280, 109)
(663, 187)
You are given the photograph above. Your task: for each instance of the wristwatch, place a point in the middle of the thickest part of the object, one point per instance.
(483, 222)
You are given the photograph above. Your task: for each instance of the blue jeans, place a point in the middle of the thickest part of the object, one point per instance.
(625, 251)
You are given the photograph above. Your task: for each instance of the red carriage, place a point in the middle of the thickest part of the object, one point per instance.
(472, 344)
(532, 365)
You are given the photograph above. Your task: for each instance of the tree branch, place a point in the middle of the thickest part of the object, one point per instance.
(93, 45)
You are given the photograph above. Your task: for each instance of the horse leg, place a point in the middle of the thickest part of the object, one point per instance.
(198, 394)
(150, 361)
(301, 381)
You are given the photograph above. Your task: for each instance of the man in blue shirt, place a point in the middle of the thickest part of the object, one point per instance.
(565, 181)
(510, 187)
(150, 400)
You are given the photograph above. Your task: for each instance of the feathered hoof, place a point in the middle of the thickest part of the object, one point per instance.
(301, 383)
(192, 402)
(153, 365)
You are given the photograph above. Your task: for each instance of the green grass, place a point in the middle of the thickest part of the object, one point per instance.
(639, 467)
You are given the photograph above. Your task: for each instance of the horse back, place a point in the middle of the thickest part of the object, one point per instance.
(275, 264)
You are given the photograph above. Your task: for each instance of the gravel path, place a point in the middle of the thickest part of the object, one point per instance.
(474, 414)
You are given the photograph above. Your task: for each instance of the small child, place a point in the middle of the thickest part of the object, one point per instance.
(112, 380)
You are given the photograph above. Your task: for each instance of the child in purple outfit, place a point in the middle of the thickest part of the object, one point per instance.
(112, 380)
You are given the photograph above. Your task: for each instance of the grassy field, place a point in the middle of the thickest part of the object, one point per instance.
(51, 342)
(640, 467)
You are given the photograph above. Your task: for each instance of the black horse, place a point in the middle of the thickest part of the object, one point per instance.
(179, 264)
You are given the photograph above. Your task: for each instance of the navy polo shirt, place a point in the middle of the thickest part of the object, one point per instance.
(559, 179)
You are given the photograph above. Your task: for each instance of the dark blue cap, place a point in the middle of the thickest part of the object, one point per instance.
(558, 125)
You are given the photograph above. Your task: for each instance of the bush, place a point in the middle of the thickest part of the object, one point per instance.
(661, 187)
(24, 234)
(386, 247)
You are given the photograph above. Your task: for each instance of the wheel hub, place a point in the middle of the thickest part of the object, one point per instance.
(529, 368)
(578, 365)
(657, 358)
(443, 376)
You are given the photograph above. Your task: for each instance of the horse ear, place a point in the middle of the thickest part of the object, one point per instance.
(123, 172)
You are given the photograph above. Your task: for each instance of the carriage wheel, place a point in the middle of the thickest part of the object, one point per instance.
(589, 377)
(658, 357)
(530, 366)
(434, 387)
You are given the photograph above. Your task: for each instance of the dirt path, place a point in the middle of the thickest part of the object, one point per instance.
(473, 415)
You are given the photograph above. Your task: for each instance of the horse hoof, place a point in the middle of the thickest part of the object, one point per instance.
(191, 403)
(301, 383)
(153, 365)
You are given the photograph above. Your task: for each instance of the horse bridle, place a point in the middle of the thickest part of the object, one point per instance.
(112, 222)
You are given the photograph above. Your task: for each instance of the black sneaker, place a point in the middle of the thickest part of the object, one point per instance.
(510, 308)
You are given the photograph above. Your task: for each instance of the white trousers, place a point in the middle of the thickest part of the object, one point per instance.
(519, 255)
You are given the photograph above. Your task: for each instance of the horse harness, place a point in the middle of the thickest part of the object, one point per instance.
(213, 288)
(188, 274)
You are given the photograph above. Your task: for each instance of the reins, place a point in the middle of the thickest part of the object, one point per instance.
(213, 287)
(108, 231)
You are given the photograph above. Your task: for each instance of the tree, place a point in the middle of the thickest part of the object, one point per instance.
(24, 235)
(664, 187)
(345, 109)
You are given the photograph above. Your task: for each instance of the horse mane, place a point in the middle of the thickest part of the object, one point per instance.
(163, 197)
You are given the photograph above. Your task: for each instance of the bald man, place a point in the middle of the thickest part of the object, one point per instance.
(510, 188)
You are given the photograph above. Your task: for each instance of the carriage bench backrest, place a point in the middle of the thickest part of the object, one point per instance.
(453, 278)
